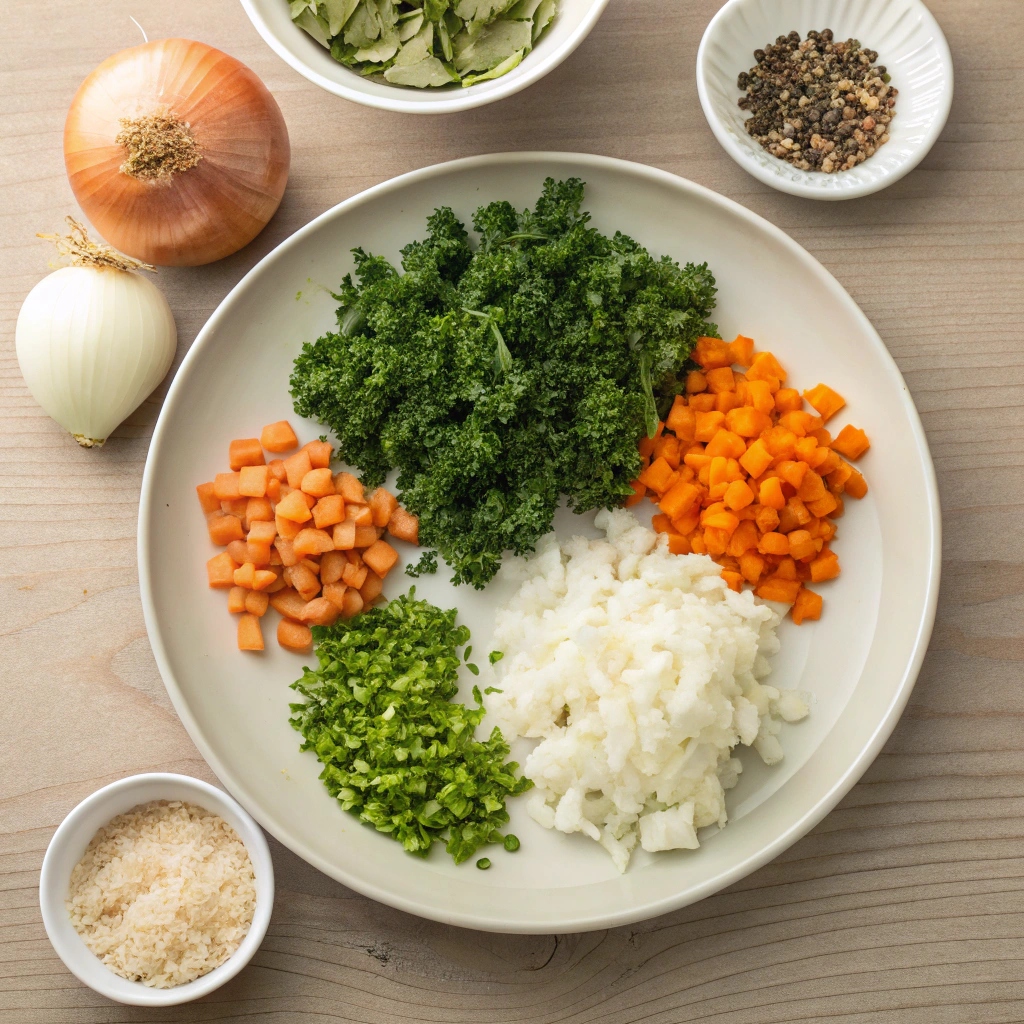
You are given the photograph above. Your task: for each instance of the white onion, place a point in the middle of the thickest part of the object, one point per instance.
(93, 341)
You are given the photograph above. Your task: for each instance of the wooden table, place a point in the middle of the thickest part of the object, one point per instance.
(905, 905)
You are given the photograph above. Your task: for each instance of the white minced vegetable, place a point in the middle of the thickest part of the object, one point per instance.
(164, 893)
(639, 672)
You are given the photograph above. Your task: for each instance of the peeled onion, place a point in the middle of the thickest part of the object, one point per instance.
(176, 152)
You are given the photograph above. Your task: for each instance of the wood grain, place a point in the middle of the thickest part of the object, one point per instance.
(905, 905)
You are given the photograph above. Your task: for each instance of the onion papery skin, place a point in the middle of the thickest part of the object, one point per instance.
(208, 211)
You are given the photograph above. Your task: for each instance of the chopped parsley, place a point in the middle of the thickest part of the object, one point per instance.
(397, 751)
(500, 376)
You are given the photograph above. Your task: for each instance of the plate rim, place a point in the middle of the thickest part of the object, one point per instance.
(652, 908)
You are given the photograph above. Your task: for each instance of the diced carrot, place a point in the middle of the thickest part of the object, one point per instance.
(371, 589)
(734, 579)
(801, 545)
(277, 470)
(329, 511)
(404, 526)
(235, 506)
(656, 475)
(278, 437)
(767, 519)
(319, 453)
(646, 447)
(332, 565)
(724, 521)
(239, 551)
(286, 551)
(744, 538)
(788, 400)
(294, 636)
(256, 602)
(359, 514)
(335, 593)
(756, 459)
(354, 575)
(738, 495)
(715, 541)
(320, 612)
(824, 506)
(303, 580)
(297, 466)
(208, 497)
(710, 353)
(830, 463)
(318, 482)
(770, 493)
(758, 395)
(786, 569)
(225, 486)
(856, 485)
(720, 379)
(344, 536)
(293, 506)
(825, 567)
(773, 544)
(350, 489)
(799, 510)
(250, 636)
(661, 523)
(258, 510)
(312, 542)
(812, 487)
(747, 421)
(825, 402)
(252, 481)
(775, 589)
(288, 602)
(236, 599)
(380, 557)
(639, 492)
(244, 576)
(286, 528)
(726, 443)
(382, 504)
(780, 441)
(274, 489)
(751, 566)
(220, 571)
(792, 472)
(678, 544)
(704, 402)
(726, 401)
(679, 499)
(800, 423)
(851, 442)
(223, 529)
(687, 522)
(257, 553)
(707, 425)
(696, 382)
(765, 366)
(807, 606)
(245, 452)
(667, 448)
(682, 420)
(351, 603)
(741, 350)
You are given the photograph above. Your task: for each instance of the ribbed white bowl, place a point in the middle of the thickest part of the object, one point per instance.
(909, 43)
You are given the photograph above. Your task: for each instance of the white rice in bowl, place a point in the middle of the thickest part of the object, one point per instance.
(639, 671)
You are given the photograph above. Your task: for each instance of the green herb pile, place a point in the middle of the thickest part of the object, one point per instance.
(426, 43)
(397, 751)
(498, 378)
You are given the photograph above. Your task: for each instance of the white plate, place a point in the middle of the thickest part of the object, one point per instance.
(859, 661)
(910, 45)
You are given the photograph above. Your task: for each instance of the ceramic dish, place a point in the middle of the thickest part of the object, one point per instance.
(571, 26)
(69, 843)
(859, 662)
(909, 43)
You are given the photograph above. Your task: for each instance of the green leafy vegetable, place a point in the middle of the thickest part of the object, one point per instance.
(497, 378)
(397, 751)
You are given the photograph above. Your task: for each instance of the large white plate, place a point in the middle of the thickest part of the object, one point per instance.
(859, 662)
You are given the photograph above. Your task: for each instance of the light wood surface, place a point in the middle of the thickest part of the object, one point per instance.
(905, 905)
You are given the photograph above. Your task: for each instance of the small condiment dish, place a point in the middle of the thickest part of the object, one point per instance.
(572, 24)
(69, 843)
(910, 45)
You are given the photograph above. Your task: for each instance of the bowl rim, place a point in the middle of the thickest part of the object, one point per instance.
(741, 156)
(597, 918)
(60, 931)
(448, 101)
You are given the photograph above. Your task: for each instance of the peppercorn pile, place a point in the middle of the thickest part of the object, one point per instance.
(818, 104)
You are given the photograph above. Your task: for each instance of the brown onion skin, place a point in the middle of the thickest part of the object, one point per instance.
(199, 215)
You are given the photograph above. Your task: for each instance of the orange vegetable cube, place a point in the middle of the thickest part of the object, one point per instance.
(851, 442)
(335, 593)
(696, 382)
(812, 488)
(724, 521)
(351, 603)
(329, 510)
(256, 602)
(825, 402)
(297, 466)
(688, 521)
(715, 541)
(775, 589)
(319, 453)
(252, 481)
(756, 459)
(258, 510)
(720, 379)
(764, 366)
(800, 423)
(286, 551)
(223, 529)
(349, 487)
(767, 519)
(274, 489)
(344, 536)
(741, 350)
(380, 557)
(825, 566)
(773, 544)
(367, 535)
(371, 589)
(759, 396)
(822, 436)
(780, 441)
(382, 506)
(661, 523)
(770, 493)
(312, 542)
(332, 565)
(286, 528)
(704, 402)
(801, 545)
(682, 420)
(293, 506)
(359, 514)
(354, 575)
(258, 554)
(288, 602)
(747, 421)
(639, 492)
(744, 538)
(239, 551)
(320, 612)
(404, 526)
(245, 452)
(826, 505)
(726, 443)
(318, 482)
(278, 437)
(208, 498)
(220, 571)
(679, 499)
(792, 472)
(788, 400)
(806, 606)
(236, 600)
(707, 425)
(277, 470)
(751, 566)
(678, 544)
(734, 579)
(829, 464)
(657, 475)
(304, 580)
(856, 485)
(294, 636)
(786, 569)
(250, 636)
(235, 506)
(726, 401)
(738, 495)
(711, 353)
(245, 575)
(667, 448)
(225, 486)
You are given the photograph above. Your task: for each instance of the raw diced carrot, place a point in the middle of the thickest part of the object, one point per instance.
(294, 636)
(741, 350)
(354, 575)
(318, 482)
(751, 566)
(245, 575)
(774, 589)
(350, 489)
(329, 511)
(696, 382)
(404, 526)
(682, 420)
(380, 557)
(288, 602)
(851, 442)
(856, 485)
(710, 353)
(208, 497)
(319, 453)
(738, 495)
(312, 542)
(252, 481)
(824, 401)
(220, 571)
(656, 476)
(770, 493)
(223, 529)
(806, 606)
(320, 612)
(225, 486)
(278, 437)
(773, 544)
(239, 551)
(250, 636)
(788, 400)
(825, 567)
(256, 602)
(303, 580)
(236, 600)
(720, 379)
(297, 466)
(245, 452)
(293, 506)
(704, 402)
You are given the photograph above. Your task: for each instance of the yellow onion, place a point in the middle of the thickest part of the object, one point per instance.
(176, 152)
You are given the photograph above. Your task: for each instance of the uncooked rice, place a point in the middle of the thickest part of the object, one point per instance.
(164, 893)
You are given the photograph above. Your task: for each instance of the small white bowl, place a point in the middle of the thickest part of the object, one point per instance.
(572, 24)
(69, 843)
(909, 43)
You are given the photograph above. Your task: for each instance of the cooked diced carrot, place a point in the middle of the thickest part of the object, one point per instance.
(770, 493)
(733, 579)
(303, 580)
(825, 402)
(319, 453)
(724, 521)
(726, 443)
(352, 603)
(245, 452)
(371, 589)
(639, 491)
(767, 519)
(239, 551)
(786, 569)
(822, 436)
(250, 636)
(344, 536)
(404, 526)
(261, 532)
(738, 495)
(329, 511)
(696, 382)
(258, 554)
(258, 510)
(747, 421)
(220, 571)
(256, 602)
(277, 470)
(288, 602)
(705, 402)
(286, 551)
(756, 459)
(225, 486)
(829, 464)
(367, 535)
(380, 557)
(751, 566)
(208, 497)
(851, 442)
(236, 600)
(678, 544)
(656, 476)
(359, 514)
(682, 420)
(223, 529)
(812, 488)
(318, 482)
(765, 366)
(274, 489)
(825, 566)
(667, 448)
(646, 447)
(824, 506)
(252, 481)
(278, 437)
(312, 542)
(856, 485)
(320, 612)
(710, 353)
(801, 545)
(741, 350)
(235, 506)
(297, 466)
(720, 379)
(715, 541)
(773, 544)
(788, 400)
(661, 523)
(354, 575)
(807, 606)
(726, 401)
(707, 425)
(350, 489)
(382, 504)
(332, 565)
(294, 636)
(688, 521)
(792, 472)
(775, 589)
(335, 593)
(244, 575)
(293, 506)
(286, 528)
(744, 538)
